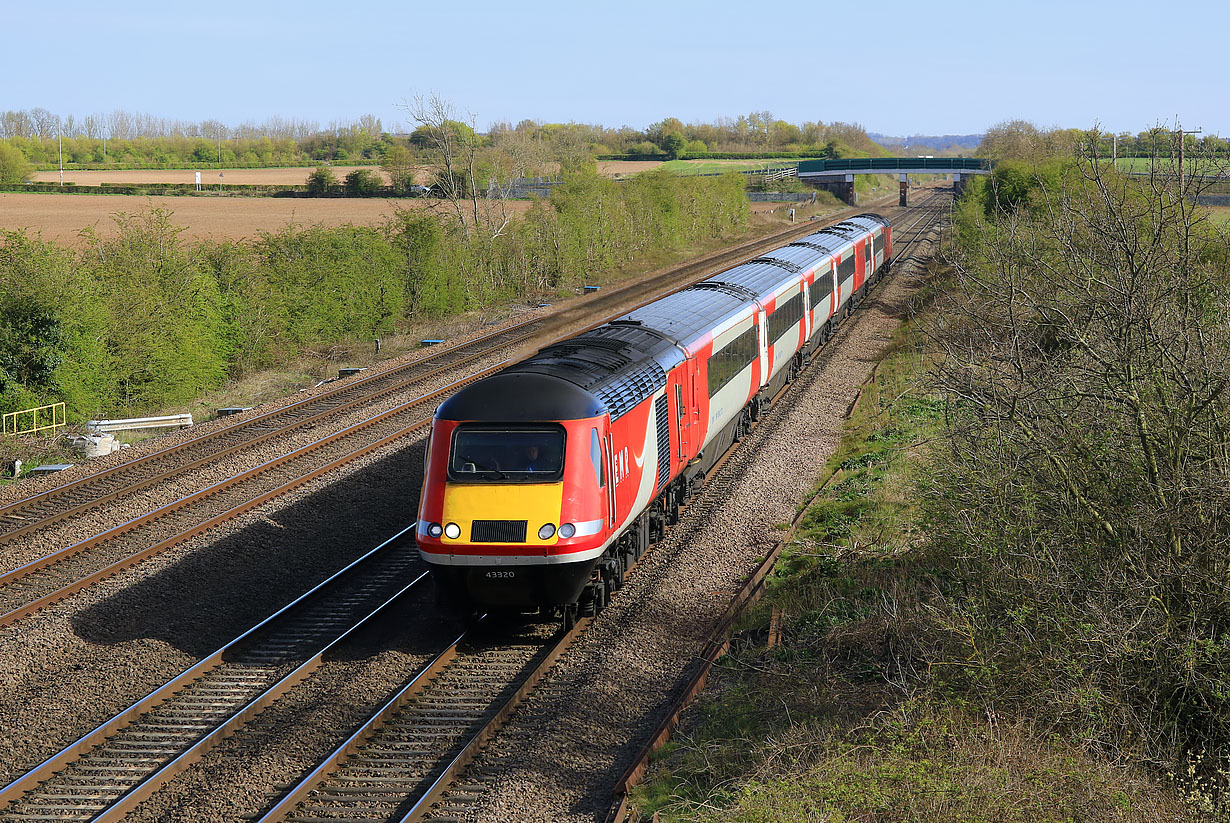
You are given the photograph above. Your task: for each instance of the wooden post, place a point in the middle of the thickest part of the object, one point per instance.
(775, 628)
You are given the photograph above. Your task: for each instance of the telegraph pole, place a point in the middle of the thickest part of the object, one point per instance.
(1181, 133)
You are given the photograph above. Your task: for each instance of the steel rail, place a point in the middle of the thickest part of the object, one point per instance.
(196, 742)
(26, 508)
(133, 559)
(320, 784)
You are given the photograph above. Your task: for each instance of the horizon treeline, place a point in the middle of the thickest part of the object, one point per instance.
(124, 138)
(144, 320)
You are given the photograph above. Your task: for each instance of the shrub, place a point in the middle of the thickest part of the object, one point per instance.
(322, 181)
(363, 183)
(14, 168)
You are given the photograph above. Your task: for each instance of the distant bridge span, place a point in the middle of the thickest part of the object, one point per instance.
(838, 175)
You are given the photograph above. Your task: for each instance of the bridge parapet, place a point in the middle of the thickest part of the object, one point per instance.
(893, 165)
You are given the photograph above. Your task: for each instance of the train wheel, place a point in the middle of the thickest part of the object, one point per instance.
(586, 607)
(570, 617)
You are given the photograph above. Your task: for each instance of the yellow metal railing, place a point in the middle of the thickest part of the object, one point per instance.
(41, 418)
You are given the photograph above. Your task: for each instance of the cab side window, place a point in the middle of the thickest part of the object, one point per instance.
(595, 455)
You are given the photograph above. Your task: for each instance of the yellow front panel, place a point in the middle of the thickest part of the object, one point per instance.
(536, 503)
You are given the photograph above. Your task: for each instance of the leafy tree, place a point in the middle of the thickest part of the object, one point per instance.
(399, 165)
(14, 168)
(674, 144)
(363, 183)
(51, 329)
(165, 330)
(322, 181)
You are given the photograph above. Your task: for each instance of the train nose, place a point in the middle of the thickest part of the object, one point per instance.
(527, 514)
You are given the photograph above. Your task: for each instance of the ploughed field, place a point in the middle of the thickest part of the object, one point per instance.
(62, 217)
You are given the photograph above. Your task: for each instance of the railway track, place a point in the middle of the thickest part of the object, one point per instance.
(70, 569)
(31, 514)
(108, 772)
(410, 752)
(403, 761)
(408, 761)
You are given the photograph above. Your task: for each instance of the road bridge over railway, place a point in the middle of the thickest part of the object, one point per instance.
(838, 175)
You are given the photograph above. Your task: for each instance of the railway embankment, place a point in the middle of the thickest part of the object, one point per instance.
(994, 608)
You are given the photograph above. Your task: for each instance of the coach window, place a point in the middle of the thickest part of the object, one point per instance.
(595, 455)
(845, 269)
(822, 288)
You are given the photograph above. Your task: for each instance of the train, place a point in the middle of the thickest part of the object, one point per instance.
(546, 481)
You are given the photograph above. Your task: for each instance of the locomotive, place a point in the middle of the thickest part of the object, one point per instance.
(546, 481)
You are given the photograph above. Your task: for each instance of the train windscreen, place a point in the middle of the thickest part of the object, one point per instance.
(483, 454)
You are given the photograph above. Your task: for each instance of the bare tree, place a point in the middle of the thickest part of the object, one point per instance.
(1086, 478)
(454, 146)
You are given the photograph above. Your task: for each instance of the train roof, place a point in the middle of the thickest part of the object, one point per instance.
(615, 367)
(688, 314)
(765, 275)
(520, 398)
(618, 364)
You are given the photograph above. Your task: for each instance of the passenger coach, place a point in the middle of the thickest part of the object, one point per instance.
(546, 481)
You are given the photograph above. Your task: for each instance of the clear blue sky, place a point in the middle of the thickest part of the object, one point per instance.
(893, 67)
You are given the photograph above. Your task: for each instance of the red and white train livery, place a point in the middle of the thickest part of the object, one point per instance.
(545, 481)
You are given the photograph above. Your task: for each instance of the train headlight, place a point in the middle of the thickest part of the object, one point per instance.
(567, 530)
(546, 531)
(435, 530)
(452, 531)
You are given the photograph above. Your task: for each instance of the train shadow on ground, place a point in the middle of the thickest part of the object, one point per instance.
(224, 586)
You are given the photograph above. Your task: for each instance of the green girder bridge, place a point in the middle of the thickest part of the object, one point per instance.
(838, 175)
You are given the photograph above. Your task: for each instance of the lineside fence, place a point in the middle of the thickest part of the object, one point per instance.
(37, 419)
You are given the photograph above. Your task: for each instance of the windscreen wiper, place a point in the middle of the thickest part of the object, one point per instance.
(496, 473)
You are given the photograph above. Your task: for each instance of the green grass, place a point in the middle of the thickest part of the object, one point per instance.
(1220, 214)
(1141, 165)
(719, 166)
(851, 717)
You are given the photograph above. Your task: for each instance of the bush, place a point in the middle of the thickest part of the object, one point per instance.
(1084, 488)
(14, 168)
(363, 183)
(322, 181)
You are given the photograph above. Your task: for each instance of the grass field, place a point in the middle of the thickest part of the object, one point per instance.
(1141, 165)
(1220, 214)
(719, 166)
(623, 168)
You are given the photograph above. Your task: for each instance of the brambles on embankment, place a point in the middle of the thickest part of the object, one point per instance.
(1009, 602)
